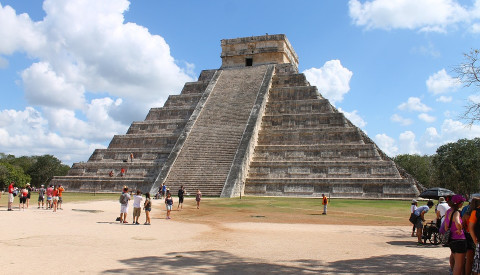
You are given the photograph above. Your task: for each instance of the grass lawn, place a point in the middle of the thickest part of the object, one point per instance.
(272, 209)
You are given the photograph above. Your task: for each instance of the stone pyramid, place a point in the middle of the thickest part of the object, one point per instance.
(255, 127)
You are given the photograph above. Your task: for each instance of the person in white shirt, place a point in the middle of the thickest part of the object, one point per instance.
(137, 208)
(412, 210)
(441, 210)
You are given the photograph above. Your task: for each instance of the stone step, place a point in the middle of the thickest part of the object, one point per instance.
(285, 69)
(206, 75)
(123, 155)
(164, 141)
(308, 136)
(298, 107)
(291, 80)
(182, 100)
(197, 87)
(315, 152)
(311, 120)
(294, 93)
(179, 112)
(157, 126)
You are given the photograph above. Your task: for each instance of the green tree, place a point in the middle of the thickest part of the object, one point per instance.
(457, 166)
(9, 173)
(420, 167)
(45, 168)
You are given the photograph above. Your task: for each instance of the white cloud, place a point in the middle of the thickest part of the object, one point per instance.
(403, 121)
(427, 118)
(354, 117)
(332, 80)
(386, 144)
(407, 143)
(444, 99)
(414, 104)
(422, 15)
(474, 99)
(93, 74)
(440, 82)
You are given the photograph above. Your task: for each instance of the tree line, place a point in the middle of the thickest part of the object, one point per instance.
(455, 166)
(36, 170)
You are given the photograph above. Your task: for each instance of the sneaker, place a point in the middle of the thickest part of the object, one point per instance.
(137, 223)
(419, 244)
(125, 222)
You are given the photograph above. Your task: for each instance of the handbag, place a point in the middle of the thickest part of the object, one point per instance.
(445, 239)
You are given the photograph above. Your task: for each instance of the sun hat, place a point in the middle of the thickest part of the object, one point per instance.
(414, 201)
(456, 199)
(441, 199)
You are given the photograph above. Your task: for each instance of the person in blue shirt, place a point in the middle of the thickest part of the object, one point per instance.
(420, 214)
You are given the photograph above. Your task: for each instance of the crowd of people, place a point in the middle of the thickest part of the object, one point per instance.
(54, 196)
(163, 193)
(461, 224)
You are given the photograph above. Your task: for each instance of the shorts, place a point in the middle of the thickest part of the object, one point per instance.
(180, 199)
(28, 196)
(148, 209)
(23, 200)
(124, 208)
(137, 211)
(10, 197)
(40, 199)
(60, 199)
(419, 223)
(55, 198)
(458, 246)
(470, 243)
(49, 198)
(169, 207)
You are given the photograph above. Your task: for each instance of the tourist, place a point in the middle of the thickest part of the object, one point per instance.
(458, 244)
(181, 193)
(10, 196)
(163, 190)
(441, 210)
(413, 219)
(29, 190)
(474, 204)
(49, 196)
(474, 230)
(60, 196)
(23, 198)
(137, 208)
(169, 204)
(41, 195)
(324, 203)
(131, 157)
(124, 198)
(55, 198)
(110, 173)
(198, 198)
(147, 206)
(420, 218)
(122, 172)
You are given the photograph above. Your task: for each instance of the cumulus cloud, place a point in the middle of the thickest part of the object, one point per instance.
(401, 120)
(407, 143)
(440, 82)
(332, 80)
(354, 117)
(386, 144)
(414, 104)
(427, 118)
(93, 74)
(422, 15)
(444, 99)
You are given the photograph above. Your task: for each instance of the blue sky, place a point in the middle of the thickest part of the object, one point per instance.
(74, 73)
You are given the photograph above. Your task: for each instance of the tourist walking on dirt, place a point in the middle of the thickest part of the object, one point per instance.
(324, 203)
(41, 195)
(181, 194)
(137, 208)
(147, 206)
(23, 198)
(458, 244)
(420, 218)
(413, 207)
(29, 190)
(474, 229)
(55, 198)
(198, 198)
(124, 198)
(169, 204)
(60, 196)
(10, 195)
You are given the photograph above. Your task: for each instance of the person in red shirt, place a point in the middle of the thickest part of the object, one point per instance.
(55, 198)
(10, 195)
(60, 200)
(23, 198)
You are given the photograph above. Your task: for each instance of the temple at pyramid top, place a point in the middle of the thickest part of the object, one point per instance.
(257, 50)
(255, 126)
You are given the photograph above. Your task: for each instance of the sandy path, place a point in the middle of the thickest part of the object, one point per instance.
(81, 239)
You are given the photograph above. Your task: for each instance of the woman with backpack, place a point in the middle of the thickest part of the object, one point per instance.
(458, 243)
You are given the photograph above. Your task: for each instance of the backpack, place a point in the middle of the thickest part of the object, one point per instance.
(123, 199)
(445, 238)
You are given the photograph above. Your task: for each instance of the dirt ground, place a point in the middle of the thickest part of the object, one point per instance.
(84, 238)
